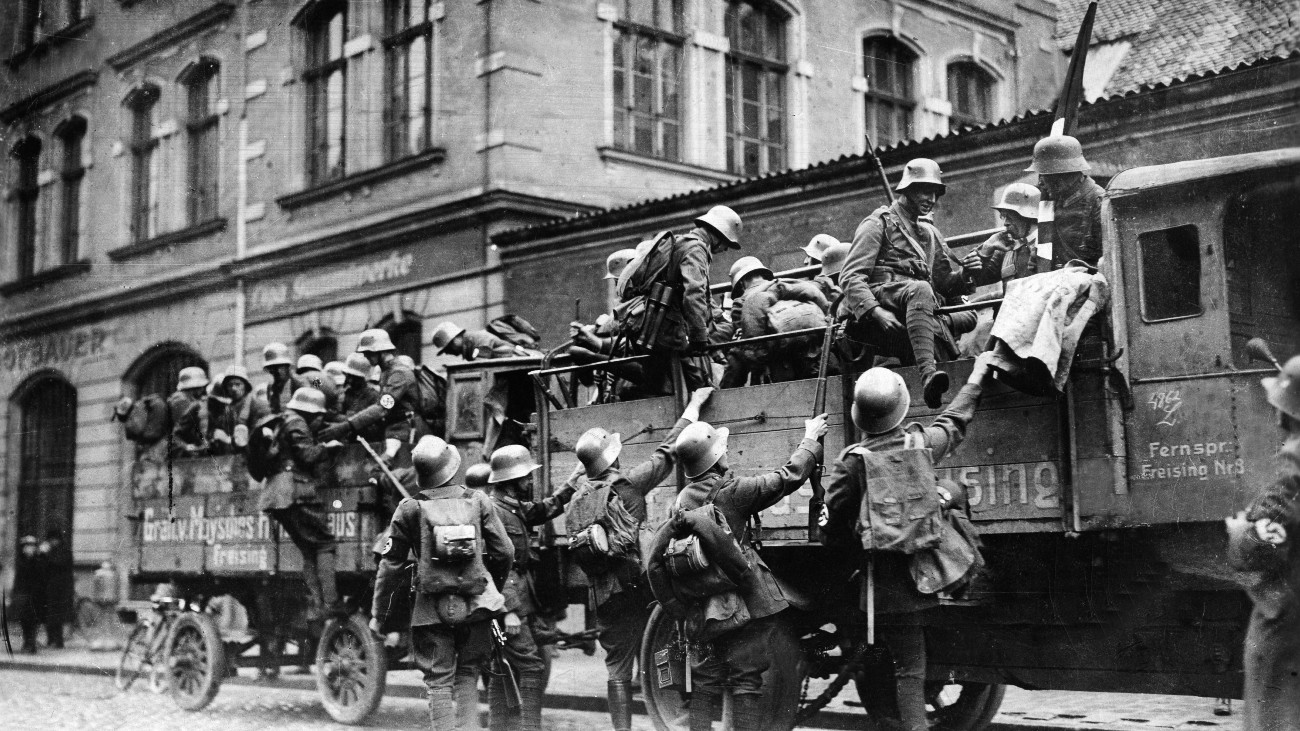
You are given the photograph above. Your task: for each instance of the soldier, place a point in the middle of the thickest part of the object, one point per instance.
(477, 475)
(290, 497)
(474, 344)
(335, 371)
(1263, 540)
(276, 362)
(451, 634)
(1059, 162)
(880, 403)
(511, 480)
(737, 658)
(243, 412)
(398, 411)
(756, 297)
(358, 395)
(186, 410)
(310, 372)
(900, 265)
(1013, 252)
(614, 502)
(816, 249)
(832, 264)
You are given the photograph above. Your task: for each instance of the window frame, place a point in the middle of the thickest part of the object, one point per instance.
(734, 62)
(1142, 273)
(143, 103)
(316, 75)
(27, 192)
(879, 96)
(202, 121)
(398, 45)
(72, 135)
(977, 74)
(630, 34)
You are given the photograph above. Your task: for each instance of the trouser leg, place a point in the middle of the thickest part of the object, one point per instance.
(308, 528)
(906, 645)
(434, 650)
(311, 577)
(619, 697)
(465, 693)
(919, 317)
(697, 372)
(28, 621)
(326, 564)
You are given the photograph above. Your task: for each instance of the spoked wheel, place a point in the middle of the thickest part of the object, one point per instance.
(351, 670)
(666, 706)
(963, 706)
(134, 658)
(196, 661)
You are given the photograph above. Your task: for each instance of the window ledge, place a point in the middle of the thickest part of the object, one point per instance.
(57, 38)
(40, 279)
(168, 239)
(432, 156)
(634, 158)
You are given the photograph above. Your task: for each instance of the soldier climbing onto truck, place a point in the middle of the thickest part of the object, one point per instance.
(605, 522)
(764, 305)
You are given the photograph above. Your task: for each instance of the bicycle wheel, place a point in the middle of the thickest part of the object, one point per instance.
(196, 660)
(134, 659)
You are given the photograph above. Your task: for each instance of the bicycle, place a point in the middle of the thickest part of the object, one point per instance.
(145, 649)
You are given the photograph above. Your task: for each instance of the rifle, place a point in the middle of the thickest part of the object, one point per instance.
(880, 170)
(380, 461)
(500, 665)
(817, 504)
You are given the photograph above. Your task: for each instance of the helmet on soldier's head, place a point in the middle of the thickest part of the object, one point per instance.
(375, 340)
(308, 400)
(833, 259)
(745, 266)
(699, 447)
(1058, 154)
(436, 462)
(357, 365)
(476, 475)
(725, 222)
(597, 449)
(240, 372)
(922, 170)
(616, 262)
(1020, 198)
(446, 333)
(817, 247)
(335, 370)
(510, 463)
(1284, 390)
(309, 362)
(275, 354)
(191, 377)
(880, 400)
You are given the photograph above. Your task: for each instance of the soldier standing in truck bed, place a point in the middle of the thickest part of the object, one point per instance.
(1011, 253)
(398, 411)
(1062, 178)
(756, 296)
(185, 407)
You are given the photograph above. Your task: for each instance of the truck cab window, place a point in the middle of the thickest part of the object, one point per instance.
(1171, 273)
(1261, 247)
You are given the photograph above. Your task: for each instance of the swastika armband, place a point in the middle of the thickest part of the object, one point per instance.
(387, 401)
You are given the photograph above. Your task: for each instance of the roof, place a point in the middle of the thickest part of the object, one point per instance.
(1172, 39)
(1158, 176)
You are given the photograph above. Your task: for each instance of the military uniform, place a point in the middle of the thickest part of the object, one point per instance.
(737, 659)
(354, 401)
(483, 345)
(185, 412)
(788, 359)
(323, 382)
(1004, 258)
(1077, 214)
(449, 656)
(898, 602)
(397, 410)
(686, 327)
(247, 411)
(290, 498)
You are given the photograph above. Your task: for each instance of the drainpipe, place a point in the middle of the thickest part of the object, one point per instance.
(489, 254)
(241, 183)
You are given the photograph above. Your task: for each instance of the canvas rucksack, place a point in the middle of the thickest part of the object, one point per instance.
(604, 536)
(148, 420)
(451, 559)
(900, 510)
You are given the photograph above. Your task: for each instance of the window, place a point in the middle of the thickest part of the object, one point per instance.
(72, 133)
(407, 334)
(161, 367)
(28, 155)
(408, 116)
(1263, 267)
(322, 344)
(326, 81)
(203, 86)
(970, 90)
(1171, 273)
(47, 428)
(889, 67)
(647, 78)
(143, 103)
(756, 69)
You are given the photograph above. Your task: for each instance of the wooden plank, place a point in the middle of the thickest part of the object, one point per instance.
(637, 421)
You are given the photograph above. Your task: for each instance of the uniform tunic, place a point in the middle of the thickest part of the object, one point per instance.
(187, 424)
(1004, 258)
(398, 408)
(483, 345)
(1078, 223)
(891, 245)
(356, 400)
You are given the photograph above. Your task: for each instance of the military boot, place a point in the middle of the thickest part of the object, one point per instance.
(442, 714)
(703, 707)
(466, 693)
(747, 712)
(620, 704)
(531, 688)
(499, 715)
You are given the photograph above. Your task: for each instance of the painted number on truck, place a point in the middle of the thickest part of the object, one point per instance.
(1166, 403)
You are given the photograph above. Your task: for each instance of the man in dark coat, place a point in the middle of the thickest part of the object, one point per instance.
(57, 558)
(1265, 541)
(1062, 178)
(880, 403)
(29, 591)
(400, 407)
(358, 395)
(185, 407)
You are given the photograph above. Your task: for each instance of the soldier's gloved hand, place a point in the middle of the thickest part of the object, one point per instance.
(375, 627)
(512, 623)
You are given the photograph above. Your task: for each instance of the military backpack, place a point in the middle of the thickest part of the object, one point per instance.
(900, 510)
(148, 420)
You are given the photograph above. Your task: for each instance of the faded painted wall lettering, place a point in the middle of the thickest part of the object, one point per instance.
(31, 353)
(353, 277)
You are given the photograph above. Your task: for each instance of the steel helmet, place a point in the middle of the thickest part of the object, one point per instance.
(1058, 154)
(817, 247)
(407, 361)
(191, 377)
(446, 333)
(477, 474)
(597, 450)
(725, 222)
(616, 262)
(309, 362)
(699, 447)
(833, 258)
(275, 354)
(922, 170)
(880, 401)
(436, 462)
(335, 369)
(1021, 198)
(745, 266)
(237, 371)
(375, 340)
(1284, 389)
(308, 400)
(510, 463)
(357, 365)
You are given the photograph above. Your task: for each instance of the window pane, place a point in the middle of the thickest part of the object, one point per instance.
(641, 12)
(336, 37)
(417, 98)
(334, 123)
(672, 150)
(1171, 273)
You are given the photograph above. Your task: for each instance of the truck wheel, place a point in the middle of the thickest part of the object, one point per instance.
(666, 706)
(196, 660)
(964, 706)
(351, 670)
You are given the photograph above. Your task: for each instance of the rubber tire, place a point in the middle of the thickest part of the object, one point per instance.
(974, 709)
(196, 660)
(782, 683)
(136, 648)
(350, 647)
